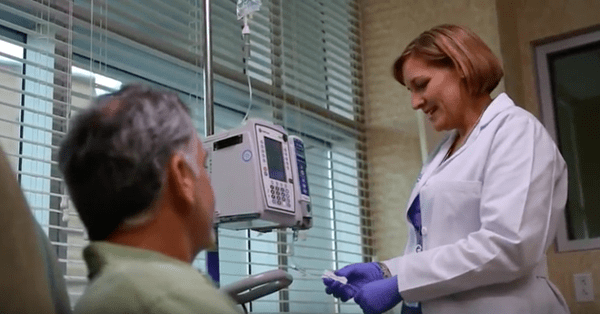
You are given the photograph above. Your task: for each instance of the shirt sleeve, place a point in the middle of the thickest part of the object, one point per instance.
(522, 195)
(210, 302)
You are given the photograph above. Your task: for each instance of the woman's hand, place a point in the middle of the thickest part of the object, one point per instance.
(358, 275)
(378, 296)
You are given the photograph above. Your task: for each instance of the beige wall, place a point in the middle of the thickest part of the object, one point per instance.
(521, 22)
(508, 27)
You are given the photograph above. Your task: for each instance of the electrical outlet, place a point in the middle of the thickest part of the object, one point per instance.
(584, 288)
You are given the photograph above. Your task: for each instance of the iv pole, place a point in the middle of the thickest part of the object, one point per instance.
(212, 255)
(209, 118)
(255, 286)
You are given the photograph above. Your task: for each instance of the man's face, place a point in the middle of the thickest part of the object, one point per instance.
(204, 200)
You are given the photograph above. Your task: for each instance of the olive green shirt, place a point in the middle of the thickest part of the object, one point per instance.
(125, 279)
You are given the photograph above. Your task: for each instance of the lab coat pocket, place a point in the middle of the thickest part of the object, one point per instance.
(450, 211)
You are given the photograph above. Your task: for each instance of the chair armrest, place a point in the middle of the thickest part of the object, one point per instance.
(257, 286)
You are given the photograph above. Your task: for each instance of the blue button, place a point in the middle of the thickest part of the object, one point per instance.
(247, 155)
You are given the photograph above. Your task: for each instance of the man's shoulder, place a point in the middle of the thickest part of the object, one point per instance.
(111, 292)
(151, 286)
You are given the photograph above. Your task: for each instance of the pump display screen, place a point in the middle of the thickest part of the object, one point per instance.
(275, 159)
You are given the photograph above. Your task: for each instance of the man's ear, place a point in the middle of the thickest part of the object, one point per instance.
(181, 179)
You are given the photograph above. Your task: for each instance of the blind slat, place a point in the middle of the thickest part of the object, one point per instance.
(308, 79)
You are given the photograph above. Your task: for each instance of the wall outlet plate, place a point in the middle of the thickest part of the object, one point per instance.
(584, 288)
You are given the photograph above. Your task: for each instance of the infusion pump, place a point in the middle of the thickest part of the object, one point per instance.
(258, 174)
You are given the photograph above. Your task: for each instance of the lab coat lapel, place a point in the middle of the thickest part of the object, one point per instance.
(500, 103)
(430, 168)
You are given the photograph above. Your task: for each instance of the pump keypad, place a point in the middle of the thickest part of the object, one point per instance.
(280, 194)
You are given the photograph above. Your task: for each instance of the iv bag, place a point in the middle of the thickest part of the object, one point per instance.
(247, 7)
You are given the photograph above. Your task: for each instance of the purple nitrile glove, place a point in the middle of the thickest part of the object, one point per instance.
(378, 296)
(358, 275)
(339, 290)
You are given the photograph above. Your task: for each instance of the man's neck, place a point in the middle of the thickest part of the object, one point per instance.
(164, 233)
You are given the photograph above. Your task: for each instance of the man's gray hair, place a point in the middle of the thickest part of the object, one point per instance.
(115, 154)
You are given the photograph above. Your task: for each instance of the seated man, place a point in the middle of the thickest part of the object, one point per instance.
(134, 167)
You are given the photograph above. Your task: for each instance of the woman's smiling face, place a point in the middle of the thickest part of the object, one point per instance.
(437, 90)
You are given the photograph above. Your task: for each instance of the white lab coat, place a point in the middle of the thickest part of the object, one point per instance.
(489, 212)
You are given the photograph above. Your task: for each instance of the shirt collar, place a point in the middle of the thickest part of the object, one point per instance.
(99, 254)
(499, 104)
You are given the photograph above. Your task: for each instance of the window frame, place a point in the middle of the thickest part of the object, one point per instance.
(542, 50)
(352, 130)
(283, 238)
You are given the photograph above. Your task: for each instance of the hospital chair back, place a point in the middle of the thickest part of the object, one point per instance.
(30, 279)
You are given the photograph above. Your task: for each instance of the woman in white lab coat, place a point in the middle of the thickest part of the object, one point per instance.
(486, 205)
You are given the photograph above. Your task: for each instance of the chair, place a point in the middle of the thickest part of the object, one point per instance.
(30, 279)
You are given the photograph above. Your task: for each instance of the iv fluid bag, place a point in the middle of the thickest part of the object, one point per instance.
(247, 7)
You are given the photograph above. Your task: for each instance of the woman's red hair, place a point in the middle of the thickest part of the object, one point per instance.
(458, 47)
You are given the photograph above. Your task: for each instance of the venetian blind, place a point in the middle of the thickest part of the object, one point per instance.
(305, 74)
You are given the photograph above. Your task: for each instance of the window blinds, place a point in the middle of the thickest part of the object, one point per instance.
(305, 74)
